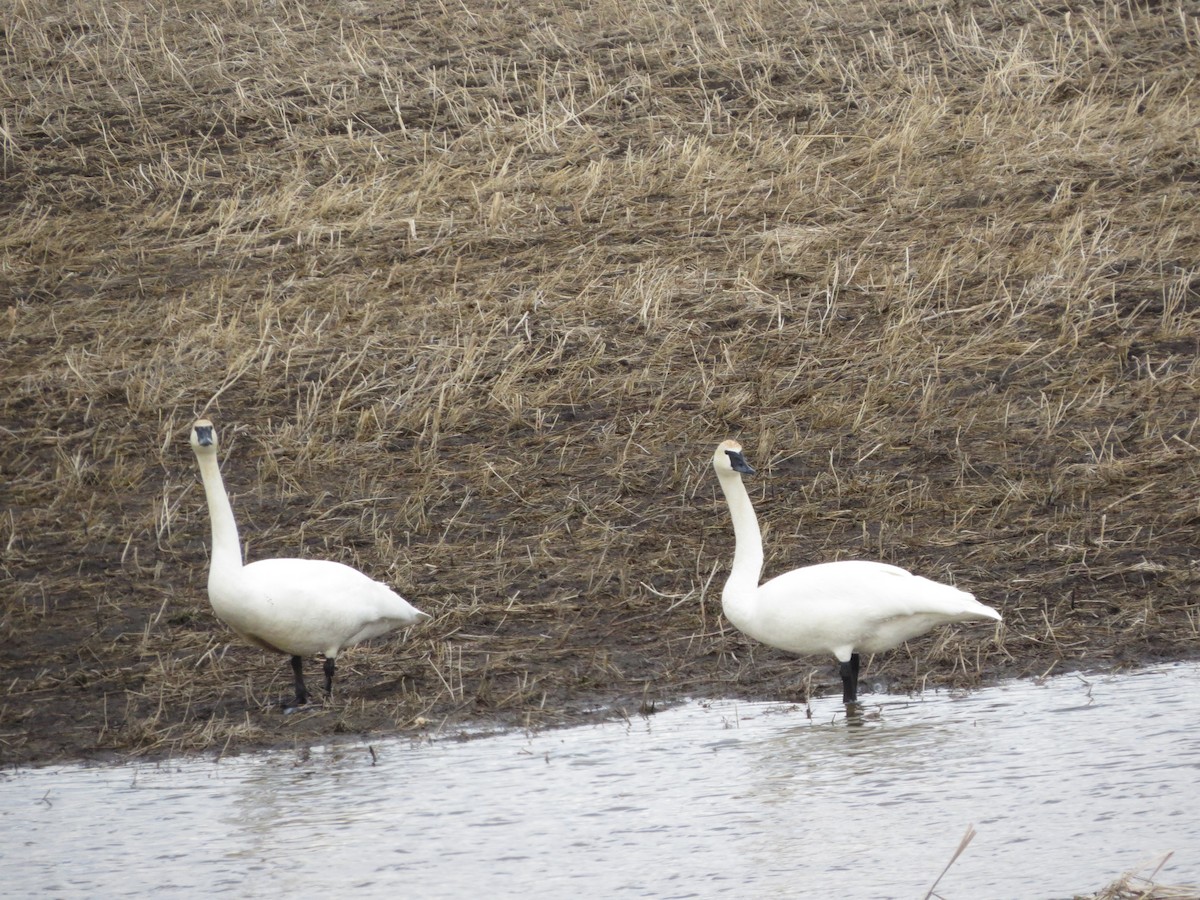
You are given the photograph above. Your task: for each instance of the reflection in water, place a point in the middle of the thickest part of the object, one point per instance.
(1067, 784)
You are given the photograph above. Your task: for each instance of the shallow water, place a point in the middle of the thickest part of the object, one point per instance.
(1068, 784)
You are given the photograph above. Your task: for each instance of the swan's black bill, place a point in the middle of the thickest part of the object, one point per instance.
(738, 462)
(204, 435)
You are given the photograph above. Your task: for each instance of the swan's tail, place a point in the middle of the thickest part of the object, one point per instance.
(959, 604)
(973, 609)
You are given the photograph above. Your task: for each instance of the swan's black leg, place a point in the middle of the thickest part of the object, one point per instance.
(330, 668)
(849, 670)
(297, 672)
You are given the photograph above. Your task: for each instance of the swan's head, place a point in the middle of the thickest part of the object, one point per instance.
(728, 458)
(204, 436)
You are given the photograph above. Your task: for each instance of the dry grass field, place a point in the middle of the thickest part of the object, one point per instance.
(472, 289)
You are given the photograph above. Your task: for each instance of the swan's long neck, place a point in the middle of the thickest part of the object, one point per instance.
(748, 552)
(226, 549)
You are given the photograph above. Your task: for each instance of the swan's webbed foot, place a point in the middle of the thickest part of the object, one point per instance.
(330, 668)
(298, 679)
(849, 672)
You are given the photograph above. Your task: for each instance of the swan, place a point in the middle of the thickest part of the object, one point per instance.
(843, 608)
(299, 607)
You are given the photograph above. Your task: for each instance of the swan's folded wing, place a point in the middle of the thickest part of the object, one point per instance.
(317, 606)
(867, 605)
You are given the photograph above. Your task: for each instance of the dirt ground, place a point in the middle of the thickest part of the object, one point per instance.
(473, 291)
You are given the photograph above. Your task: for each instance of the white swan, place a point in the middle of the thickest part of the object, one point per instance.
(299, 607)
(842, 608)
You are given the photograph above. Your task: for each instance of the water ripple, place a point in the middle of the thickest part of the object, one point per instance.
(1067, 782)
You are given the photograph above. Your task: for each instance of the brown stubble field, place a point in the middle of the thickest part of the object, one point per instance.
(473, 289)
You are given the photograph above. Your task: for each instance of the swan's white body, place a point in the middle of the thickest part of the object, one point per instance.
(841, 608)
(306, 606)
(299, 607)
